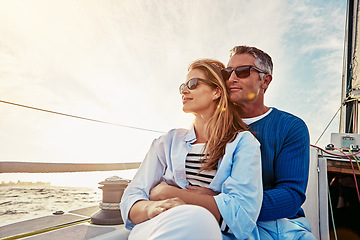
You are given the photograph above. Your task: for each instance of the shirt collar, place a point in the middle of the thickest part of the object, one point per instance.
(249, 121)
(190, 136)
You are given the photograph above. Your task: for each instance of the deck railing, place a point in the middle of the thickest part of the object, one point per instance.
(40, 167)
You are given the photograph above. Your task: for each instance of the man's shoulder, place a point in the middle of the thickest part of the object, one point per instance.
(277, 114)
(279, 121)
(282, 113)
(280, 125)
(287, 122)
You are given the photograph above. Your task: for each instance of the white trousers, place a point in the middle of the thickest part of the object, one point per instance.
(185, 222)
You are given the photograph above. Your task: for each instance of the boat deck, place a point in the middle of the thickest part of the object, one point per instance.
(72, 225)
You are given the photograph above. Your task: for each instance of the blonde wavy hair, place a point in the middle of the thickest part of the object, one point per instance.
(226, 121)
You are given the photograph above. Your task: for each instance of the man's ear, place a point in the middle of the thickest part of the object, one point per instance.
(217, 94)
(266, 81)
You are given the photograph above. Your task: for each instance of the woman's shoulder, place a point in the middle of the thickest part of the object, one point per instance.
(246, 137)
(176, 133)
(245, 134)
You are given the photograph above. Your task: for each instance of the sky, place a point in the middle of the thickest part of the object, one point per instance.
(122, 62)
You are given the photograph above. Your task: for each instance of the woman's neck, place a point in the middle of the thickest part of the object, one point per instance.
(200, 125)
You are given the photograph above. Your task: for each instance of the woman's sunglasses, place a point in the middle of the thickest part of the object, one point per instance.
(240, 71)
(193, 83)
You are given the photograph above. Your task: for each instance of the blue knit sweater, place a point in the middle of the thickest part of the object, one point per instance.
(285, 148)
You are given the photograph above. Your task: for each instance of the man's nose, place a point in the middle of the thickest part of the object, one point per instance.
(233, 77)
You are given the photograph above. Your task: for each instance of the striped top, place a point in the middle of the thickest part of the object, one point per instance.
(193, 163)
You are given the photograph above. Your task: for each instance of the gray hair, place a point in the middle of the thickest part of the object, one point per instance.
(262, 59)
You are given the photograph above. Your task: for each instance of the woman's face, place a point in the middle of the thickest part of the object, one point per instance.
(202, 99)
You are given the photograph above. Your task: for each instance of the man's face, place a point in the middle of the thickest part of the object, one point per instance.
(244, 90)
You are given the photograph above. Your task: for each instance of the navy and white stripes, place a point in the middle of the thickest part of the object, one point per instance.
(193, 163)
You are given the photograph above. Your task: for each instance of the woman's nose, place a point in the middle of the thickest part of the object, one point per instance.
(185, 90)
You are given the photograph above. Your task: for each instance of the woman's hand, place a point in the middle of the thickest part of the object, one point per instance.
(157, 207)
(194, 195)
(201, 190)
(161, 191)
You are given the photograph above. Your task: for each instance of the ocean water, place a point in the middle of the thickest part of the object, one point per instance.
(64, 192)
(18, 203)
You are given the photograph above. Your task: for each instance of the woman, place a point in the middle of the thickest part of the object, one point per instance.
(202, 183)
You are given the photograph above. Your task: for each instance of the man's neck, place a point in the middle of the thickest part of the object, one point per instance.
(250, 111)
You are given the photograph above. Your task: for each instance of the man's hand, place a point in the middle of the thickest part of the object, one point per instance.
(201, 190)
(157, 207)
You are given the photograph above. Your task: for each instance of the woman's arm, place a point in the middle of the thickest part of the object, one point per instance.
(164, 191)
(144, 210)
(239, 177)
(148, 175)
(241, 193)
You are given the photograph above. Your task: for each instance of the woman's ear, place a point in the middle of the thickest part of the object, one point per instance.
(217, 94)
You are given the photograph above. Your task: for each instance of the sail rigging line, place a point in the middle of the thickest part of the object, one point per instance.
(352, 166)
(356, 159)
(79, 117)
(328, 187)
(328, 125)
(352, 99)
(334, 154)
(331, 212)
(344, 155)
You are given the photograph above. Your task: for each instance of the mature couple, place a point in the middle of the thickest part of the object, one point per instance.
(212, 181)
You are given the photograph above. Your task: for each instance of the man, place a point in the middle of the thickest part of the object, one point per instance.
(284, 142)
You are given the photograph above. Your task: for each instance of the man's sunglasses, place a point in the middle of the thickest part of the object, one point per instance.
(193, 83)
(240, 71)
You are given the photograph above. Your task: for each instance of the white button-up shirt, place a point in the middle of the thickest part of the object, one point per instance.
(238, 178)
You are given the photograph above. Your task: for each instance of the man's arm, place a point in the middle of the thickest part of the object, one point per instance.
(291, 176)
